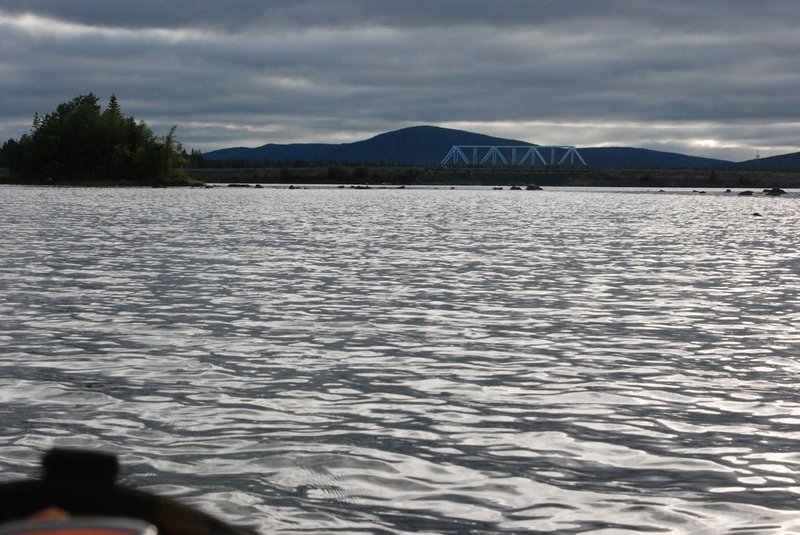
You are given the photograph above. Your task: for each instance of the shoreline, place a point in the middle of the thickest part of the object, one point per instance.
(440, 176)
(421, 176)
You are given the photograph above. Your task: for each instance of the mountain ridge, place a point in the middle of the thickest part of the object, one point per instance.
(416, 145)
(427, 145)
(781, 162)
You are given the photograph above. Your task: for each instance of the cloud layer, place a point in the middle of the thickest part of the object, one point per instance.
(714, 78)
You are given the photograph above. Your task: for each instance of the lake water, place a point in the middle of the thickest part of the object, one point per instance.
(413, 361)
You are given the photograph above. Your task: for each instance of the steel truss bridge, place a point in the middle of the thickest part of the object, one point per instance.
(532, 155)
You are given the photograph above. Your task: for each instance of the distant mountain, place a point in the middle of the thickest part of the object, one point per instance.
(783, 162)
(427, 145)
(632, 158)
(417, 145)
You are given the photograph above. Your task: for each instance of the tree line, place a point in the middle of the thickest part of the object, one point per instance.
(80, 142)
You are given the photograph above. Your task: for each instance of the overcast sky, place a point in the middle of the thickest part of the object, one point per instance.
(704, 77)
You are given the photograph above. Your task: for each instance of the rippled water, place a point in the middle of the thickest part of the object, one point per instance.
(415, 361)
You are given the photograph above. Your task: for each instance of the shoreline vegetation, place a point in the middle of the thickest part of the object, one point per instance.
(439, 176)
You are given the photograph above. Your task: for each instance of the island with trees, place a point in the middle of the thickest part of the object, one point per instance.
(80, 143)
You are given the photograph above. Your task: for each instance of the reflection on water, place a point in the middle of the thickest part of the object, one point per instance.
(413, 361)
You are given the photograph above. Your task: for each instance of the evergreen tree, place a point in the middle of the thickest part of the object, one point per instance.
(195, 159)
(113, 108)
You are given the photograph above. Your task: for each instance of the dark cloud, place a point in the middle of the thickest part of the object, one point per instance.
(712, 78)
(704, 17)
(239, 14)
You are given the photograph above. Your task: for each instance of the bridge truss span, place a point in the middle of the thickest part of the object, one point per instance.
(521, 155)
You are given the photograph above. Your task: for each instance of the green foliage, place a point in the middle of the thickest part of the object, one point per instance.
(79, 142)
(9, 153)
(336, 172)
(195, 159)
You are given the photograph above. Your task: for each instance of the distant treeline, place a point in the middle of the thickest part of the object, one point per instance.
(312, 174)
(202, 162)
(410, 176)
(82, 143)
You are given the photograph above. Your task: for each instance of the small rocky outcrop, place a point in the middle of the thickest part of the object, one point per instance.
(774, 192)
(533, 187)
(745, 193)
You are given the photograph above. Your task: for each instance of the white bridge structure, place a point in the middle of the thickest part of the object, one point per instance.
(532, 155)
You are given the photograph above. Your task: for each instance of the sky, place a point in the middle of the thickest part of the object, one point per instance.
(714, 78)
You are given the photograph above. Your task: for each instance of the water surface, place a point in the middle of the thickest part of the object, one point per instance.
(413, 361)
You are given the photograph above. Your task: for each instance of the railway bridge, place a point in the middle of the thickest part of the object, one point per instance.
(519, 155)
